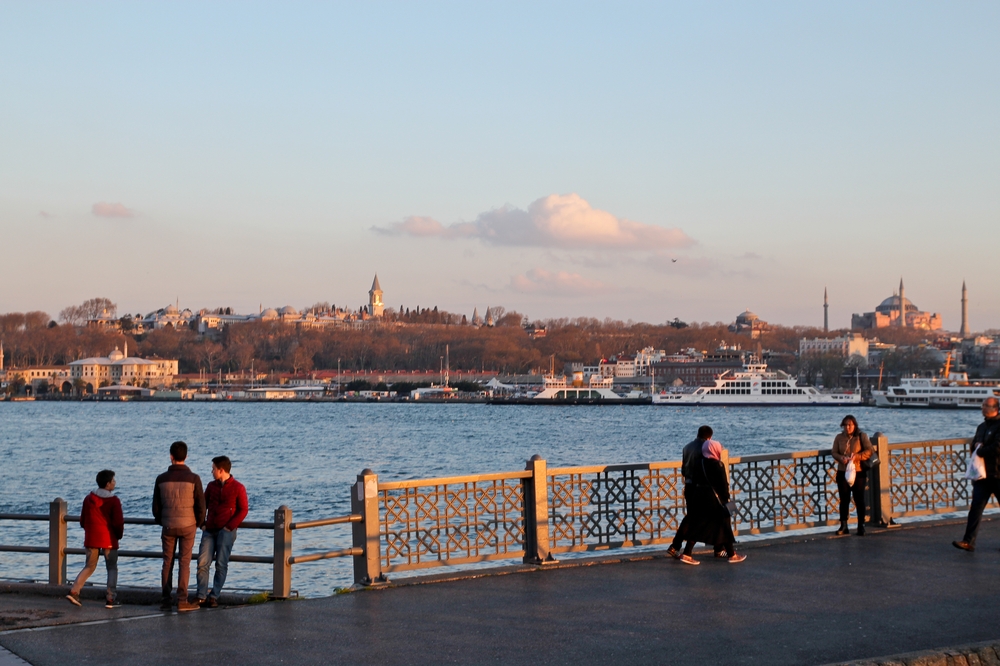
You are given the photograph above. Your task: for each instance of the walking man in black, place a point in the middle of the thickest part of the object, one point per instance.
(986, 445)
(690, 457)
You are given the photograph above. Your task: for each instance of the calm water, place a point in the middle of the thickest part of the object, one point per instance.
(306, 456)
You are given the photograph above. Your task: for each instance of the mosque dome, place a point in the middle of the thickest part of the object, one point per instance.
(269, 313)
(891, 304)
(170, 309)
(116, 355)
(290, 311)
(746, 317)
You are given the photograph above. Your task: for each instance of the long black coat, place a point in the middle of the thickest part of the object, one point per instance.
(708, 519)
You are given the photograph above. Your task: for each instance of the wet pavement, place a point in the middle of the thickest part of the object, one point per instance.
(794, 601)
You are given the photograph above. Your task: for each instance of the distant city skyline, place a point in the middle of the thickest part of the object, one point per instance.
(644, 162)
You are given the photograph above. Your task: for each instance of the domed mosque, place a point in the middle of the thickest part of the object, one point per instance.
(888, 313)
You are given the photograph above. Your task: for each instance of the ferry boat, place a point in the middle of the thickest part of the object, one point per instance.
(754, 386)
(953, 391)
(596, 390)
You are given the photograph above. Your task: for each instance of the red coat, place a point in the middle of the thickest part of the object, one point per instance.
(102, 521)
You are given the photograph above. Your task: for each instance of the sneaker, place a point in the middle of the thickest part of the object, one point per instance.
(687, 559)
(843, 530)
(722, 554)
(674, 553)
(74, 599)
(211, 602)
(736, 558)
(112, 603)
(166, 605)
(963, 545)
(186, 606)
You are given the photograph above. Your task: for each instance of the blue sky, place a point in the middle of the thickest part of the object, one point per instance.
(552, 158)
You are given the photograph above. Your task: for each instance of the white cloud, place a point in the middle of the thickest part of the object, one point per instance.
(561, 282)
(557, 221)
(105, 209)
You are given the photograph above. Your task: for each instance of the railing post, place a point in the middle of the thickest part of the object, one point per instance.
(364, 501)
(882, 483)
(282, 586)
(536, 513)
(57, 542)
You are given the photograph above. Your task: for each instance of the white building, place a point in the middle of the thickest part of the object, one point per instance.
(118, 368)
(847, 346)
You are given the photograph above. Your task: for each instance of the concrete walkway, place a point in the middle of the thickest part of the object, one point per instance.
(792, 602)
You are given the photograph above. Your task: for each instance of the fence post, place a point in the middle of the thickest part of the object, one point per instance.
(364, 501)
(882, 483)
(282, 585)
(57, 542)
(536, 513)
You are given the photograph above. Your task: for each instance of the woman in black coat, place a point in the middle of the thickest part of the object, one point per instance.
(709, 518)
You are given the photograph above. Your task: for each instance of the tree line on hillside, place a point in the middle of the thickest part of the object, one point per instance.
(34, 339)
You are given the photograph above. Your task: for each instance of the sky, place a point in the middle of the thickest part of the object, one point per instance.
(639, 161)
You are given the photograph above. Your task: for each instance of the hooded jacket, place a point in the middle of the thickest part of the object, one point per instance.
(102, 520)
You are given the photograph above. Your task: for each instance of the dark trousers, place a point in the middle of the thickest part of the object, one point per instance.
(182, 540)
(981, 491)
(857, 490)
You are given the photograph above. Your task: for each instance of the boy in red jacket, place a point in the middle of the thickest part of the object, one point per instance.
(103, 525)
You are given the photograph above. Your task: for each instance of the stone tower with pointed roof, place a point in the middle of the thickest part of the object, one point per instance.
(375, 306)
(826, 312)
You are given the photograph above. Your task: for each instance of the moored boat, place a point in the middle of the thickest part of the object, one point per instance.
(954, 391)
(755, 386)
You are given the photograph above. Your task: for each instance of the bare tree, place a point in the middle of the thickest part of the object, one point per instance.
(90, 309)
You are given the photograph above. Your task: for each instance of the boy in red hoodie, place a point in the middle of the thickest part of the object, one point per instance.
(103, 525)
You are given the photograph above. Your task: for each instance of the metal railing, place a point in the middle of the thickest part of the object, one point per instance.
(538, 512)
(282, 559)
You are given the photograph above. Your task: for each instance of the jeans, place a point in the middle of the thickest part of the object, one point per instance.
(858, 492)
(981, 491)
(216, 545)
(111, 562)
(185, 543)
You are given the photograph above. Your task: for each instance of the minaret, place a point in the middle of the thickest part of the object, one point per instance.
(965, 316)
(902, 304)
(375, 306)
(1, 355)
(826, 312)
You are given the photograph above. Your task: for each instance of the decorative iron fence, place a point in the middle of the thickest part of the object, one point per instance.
(927, 477)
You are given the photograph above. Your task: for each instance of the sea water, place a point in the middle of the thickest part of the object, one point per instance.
(307, 455)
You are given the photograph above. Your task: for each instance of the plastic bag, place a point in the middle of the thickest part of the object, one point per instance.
(977, 466)
(850, 473)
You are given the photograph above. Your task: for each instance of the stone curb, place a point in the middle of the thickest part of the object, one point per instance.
(139, 596)
(973, 654)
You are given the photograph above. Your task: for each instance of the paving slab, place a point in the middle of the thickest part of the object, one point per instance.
(812, 601)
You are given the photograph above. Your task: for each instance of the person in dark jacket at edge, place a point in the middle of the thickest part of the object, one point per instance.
(179, 508)
(103, 526)
(226, 499)
(690, 458)
(986, 445)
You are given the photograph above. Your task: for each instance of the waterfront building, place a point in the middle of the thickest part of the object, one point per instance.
(847, 346)
(897, 310)
(54, 377)
(119, 368)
